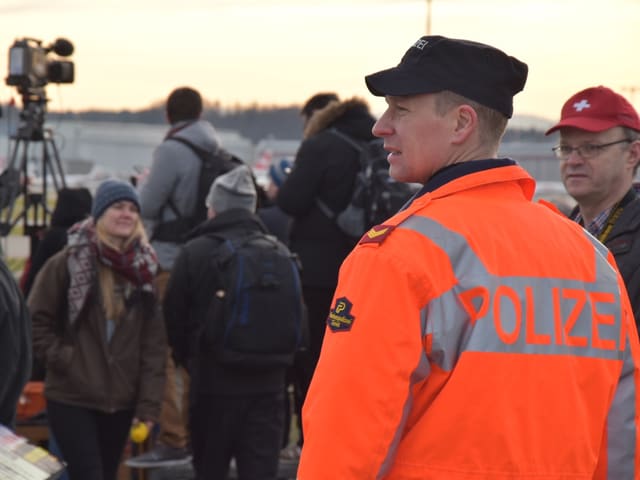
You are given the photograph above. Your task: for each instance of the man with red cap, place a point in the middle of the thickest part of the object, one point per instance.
(599, 152)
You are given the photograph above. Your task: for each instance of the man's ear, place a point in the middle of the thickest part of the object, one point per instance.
(466, 123)
(634, 153)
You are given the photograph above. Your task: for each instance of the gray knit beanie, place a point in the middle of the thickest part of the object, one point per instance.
(110, 192)
(234, 189)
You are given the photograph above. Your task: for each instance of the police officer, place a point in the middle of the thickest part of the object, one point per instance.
(475, 334)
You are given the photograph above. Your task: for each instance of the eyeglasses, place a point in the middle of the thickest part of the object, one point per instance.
(588, 150)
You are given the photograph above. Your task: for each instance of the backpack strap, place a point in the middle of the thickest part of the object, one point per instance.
(322, 206)
(346, 138)
(200, 154)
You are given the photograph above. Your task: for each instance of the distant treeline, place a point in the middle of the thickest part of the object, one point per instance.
(253, 122)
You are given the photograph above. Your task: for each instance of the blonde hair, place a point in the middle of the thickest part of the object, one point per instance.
(114, 304)
(492, 124)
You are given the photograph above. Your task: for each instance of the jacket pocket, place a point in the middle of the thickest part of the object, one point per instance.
(59, 357)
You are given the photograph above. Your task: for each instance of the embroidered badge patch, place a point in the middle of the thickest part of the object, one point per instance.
(340, 318)
(377, 234)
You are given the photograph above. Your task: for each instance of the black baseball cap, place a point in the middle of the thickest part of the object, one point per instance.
(474, 70)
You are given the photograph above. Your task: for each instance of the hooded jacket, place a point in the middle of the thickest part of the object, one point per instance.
(325, 167)
(174, 174)
(186, 303)
(83, 368)
(72, 205)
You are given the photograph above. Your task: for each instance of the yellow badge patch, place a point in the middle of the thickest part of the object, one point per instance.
(377, 234)
(340, 318)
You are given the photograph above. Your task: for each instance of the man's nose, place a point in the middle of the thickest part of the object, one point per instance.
(574, 158)
(382, 128)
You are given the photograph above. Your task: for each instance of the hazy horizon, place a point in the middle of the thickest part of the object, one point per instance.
(131, 54)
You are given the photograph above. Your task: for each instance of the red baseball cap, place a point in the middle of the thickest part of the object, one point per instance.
(596, 109)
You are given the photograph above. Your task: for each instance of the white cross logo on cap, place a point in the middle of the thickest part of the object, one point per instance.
(581, 105)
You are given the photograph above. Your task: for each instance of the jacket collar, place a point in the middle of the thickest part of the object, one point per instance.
(234, 219)
(468, 175)
(323, 118)
(457, 170)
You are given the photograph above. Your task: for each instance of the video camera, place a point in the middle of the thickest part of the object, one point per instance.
(31, 69)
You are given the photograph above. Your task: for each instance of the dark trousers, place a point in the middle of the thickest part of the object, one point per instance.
(90, 441)
(245, 427)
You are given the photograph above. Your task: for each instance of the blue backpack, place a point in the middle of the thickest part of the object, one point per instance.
(257, 318)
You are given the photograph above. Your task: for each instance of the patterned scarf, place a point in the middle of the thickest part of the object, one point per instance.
(138, 264)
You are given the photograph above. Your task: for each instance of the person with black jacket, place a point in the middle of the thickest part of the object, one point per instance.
(72, 205)
(325, 168)
(15, 345)
(599, 153)
(233, 412)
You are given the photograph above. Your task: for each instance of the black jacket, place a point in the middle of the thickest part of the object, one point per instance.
(73, 205)
(624, 243)
(193, 280)
(277, 222)
(15, 345)
(325, 167)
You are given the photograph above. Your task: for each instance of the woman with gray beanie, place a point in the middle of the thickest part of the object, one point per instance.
(97, 329)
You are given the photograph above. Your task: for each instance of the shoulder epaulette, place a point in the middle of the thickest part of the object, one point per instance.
(377, 234)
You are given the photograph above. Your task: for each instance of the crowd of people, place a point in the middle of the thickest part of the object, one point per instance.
(474, 334)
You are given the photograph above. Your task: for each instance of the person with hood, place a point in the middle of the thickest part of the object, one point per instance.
(325, 168)
(169, 193)
(97, 329)
(72, 205)
(236, 410)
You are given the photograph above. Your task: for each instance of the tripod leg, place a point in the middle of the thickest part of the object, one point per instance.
(16, 176)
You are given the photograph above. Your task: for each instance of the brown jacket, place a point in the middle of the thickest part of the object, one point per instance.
(84, 369)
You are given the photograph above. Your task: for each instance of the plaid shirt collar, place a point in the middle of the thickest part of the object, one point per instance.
(596, 226)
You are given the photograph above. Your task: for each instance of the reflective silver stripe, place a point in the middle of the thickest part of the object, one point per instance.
(621, 424)
(518, 314)
(621, 421)
(421, 372)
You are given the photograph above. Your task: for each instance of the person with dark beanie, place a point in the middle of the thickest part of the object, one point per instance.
(97, 329)
(72, 205)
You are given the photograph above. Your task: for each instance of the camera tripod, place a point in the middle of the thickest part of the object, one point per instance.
(16, 182)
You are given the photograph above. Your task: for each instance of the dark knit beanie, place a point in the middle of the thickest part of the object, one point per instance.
(72, 205)
(110, 192)
(234, 189)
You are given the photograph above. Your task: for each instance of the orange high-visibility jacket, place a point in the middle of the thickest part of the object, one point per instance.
(476, 335)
